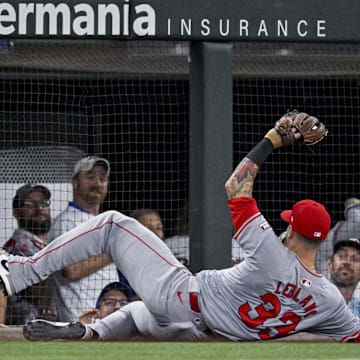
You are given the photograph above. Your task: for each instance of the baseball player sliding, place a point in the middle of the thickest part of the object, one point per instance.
(275, 292)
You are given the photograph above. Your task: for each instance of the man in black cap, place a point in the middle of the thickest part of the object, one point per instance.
(344, 269)
(31, 210)
(343, 230)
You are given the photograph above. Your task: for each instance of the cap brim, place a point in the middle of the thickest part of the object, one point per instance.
(116, 285)
(88, 163)
(348, 243)
(43, 189)
(285, 215)
(102, 162)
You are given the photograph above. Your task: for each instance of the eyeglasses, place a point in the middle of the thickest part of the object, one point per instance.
(113, 302)
(32, 204)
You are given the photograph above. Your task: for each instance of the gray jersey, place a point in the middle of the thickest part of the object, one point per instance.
(272, 293)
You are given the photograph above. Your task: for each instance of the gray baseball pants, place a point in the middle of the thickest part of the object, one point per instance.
(160, 280)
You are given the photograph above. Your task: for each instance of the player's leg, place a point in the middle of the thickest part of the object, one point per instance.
(118, 325)
(131, 320)
(139, 254)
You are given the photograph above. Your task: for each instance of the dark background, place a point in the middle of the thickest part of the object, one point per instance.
(141, 125)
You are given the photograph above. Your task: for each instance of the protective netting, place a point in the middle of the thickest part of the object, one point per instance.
(129, 102)
(327, 172)
(34, 164)
(48, 122)
(138, 124)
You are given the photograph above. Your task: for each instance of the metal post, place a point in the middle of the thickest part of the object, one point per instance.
(210, 154)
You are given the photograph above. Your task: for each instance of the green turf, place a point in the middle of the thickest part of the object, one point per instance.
(176, 351)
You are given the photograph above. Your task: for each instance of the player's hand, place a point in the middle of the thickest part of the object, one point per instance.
(295, 126)
(89, 316)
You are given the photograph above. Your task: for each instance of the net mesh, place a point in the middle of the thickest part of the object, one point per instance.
(48, 122)
(138, 124)
(129, 102)
(326, 173)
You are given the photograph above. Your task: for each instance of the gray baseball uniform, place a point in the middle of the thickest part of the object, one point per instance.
(271, 294)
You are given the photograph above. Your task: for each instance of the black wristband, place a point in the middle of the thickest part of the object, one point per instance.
(259, 153)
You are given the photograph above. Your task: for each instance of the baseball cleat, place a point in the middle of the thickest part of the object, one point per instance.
(4, 274)
(43, 330)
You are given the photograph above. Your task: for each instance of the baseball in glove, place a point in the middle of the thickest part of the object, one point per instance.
(296, 127)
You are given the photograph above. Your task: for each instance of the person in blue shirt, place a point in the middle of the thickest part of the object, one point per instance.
(344, 269)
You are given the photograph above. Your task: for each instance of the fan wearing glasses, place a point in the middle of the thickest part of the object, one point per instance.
(31, 210)
(112, 297)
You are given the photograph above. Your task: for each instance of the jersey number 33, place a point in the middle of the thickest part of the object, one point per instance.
(289, 319)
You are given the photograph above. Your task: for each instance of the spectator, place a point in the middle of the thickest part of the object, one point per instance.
(76, 286)
(151, 219)
(112, 297)
(179, 244)
(344, 269)
(31, 210)
(131, 292)
(343, 230)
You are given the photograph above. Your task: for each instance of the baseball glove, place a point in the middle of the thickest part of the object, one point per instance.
(297, 127)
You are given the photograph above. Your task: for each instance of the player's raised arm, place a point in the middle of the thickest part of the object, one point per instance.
(241, 181)
(290, 128)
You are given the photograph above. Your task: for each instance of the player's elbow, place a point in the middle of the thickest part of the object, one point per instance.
(229, 187)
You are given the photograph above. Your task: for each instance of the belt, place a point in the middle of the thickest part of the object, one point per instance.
(198, 320)
(194, 304)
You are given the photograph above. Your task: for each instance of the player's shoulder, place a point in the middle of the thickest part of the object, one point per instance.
(244, 211)
(330, 291)
(329, 286)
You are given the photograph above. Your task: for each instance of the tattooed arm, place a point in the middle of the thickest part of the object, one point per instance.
(241, 181)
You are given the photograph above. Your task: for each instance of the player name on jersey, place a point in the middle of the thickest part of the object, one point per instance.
(294, 292)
